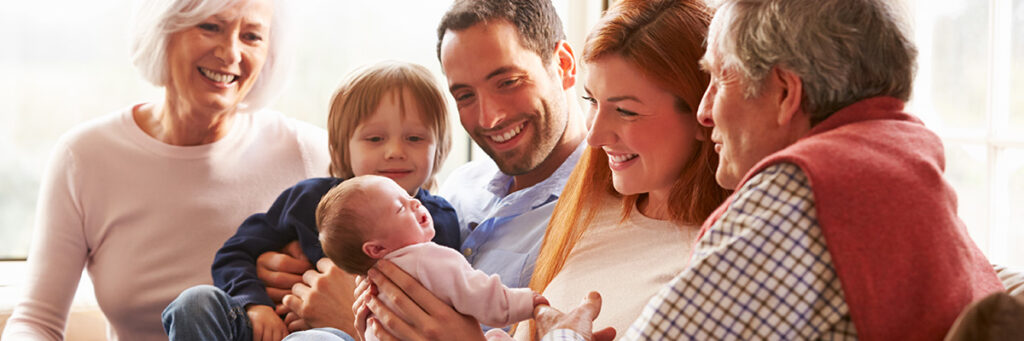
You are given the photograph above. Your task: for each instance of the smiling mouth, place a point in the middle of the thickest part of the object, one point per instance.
(508, 134)
(394, 173)
(217, 76)
(620, 158)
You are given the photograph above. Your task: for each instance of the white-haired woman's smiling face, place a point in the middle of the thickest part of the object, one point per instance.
(213, 64)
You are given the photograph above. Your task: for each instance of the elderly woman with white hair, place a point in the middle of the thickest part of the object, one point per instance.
(143, 197)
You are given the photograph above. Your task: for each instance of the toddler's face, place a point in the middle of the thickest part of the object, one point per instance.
(399, 219)
(394, 145)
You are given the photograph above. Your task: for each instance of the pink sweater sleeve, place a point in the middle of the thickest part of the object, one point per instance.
(449, 276)
(56, 258)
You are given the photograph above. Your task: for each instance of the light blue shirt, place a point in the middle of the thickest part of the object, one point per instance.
(502, 232)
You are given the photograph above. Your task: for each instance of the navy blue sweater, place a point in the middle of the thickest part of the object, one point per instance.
(293, 217)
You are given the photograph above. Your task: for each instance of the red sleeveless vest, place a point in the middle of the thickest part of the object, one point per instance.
(905, 262)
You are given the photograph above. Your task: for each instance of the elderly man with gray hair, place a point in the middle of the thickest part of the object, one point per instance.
(841, 226)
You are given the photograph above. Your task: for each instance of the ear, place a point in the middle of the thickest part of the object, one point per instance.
(374, 249)
(565, 60)
(789, 96)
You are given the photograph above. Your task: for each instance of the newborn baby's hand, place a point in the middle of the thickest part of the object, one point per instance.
(538, 299)
(266, 325)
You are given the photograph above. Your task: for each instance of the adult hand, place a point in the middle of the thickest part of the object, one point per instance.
(580, 320)
(418, 314)
(364, 289)
(279, 271)
(323, 297)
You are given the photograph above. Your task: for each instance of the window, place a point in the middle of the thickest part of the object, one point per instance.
(63, 67)
(970, 90)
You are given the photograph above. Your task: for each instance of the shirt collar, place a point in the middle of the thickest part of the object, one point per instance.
(540, 193)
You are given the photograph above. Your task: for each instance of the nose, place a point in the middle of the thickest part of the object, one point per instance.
(229, 50)
(491, 111)
(601, 132)
(394, 149)
(704, 109)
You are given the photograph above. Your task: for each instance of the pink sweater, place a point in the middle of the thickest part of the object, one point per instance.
(905, 261)
(145, 218)
(447, 274)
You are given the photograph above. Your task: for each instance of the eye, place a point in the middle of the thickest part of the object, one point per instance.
(508, 82)
(463, 96)
(626, 113)
(590, 99)
(415, 138)
(253, 37)
(211, 27)
(374, 138)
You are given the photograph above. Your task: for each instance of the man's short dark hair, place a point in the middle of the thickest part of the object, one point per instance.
(538, 24)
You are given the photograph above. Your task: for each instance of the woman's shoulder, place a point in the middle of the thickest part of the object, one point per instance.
(274, 121)
(98, 131)
(308, 140)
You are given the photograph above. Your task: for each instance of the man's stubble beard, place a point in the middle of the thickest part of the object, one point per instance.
(548, 128)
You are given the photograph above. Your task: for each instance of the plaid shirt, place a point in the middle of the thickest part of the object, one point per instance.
(761, 272)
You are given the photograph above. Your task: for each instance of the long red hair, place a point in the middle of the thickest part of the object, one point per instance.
(665, 40)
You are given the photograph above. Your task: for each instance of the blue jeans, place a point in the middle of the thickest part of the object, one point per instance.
(204, 312)
(319, 334)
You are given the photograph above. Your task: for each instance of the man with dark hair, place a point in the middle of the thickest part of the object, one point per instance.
(511, 73)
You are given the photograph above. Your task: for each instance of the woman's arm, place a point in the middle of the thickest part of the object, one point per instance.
(56, 259)
(418, 314)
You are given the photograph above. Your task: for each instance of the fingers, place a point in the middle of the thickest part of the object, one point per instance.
(309, 277)
(278, 334)
(546, 317)
(257, 332)
(282, 309)
(282, 262)
(294, 304)
(361, 287)
(380, 332)
(325, 264)
(294, 249)
(591, 306)
(362, 314)
(386, 319)
(395, 282)
(607, 334)
(290, 317)
(297, 324)
(279, 271)
(277, 294)
(538, 299)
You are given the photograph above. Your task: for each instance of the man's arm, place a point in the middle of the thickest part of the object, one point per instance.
(324, 297)
(761, 272)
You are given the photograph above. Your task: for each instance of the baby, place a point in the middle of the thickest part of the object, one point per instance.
(370, 217)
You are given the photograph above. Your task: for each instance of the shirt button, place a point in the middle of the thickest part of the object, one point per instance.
(468, 252)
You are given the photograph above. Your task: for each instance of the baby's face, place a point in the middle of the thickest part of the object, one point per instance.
(399, 220)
